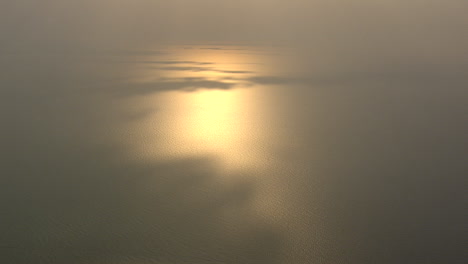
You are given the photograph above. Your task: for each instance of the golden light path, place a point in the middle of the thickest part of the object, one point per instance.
(211, 110)
(204, 107)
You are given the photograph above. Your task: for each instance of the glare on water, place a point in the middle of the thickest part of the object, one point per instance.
(217, 113)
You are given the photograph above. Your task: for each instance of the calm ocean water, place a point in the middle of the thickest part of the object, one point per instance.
(229, 154)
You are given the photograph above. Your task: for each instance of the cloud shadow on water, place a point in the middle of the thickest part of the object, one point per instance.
(172, 84)
(382, 77)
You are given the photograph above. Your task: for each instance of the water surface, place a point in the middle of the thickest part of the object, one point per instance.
(229, 154)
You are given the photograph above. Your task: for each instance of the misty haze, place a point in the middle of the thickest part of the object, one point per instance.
(233, 132)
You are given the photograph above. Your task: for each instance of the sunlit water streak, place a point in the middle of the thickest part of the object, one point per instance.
(235, 125)
(221, 115)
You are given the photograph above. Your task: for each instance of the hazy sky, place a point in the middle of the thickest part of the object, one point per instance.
(422, 25)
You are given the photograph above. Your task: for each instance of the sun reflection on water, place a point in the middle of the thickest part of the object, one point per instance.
(210, 108)
(203, 106)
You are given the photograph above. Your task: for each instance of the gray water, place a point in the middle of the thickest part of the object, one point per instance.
(228, 154)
